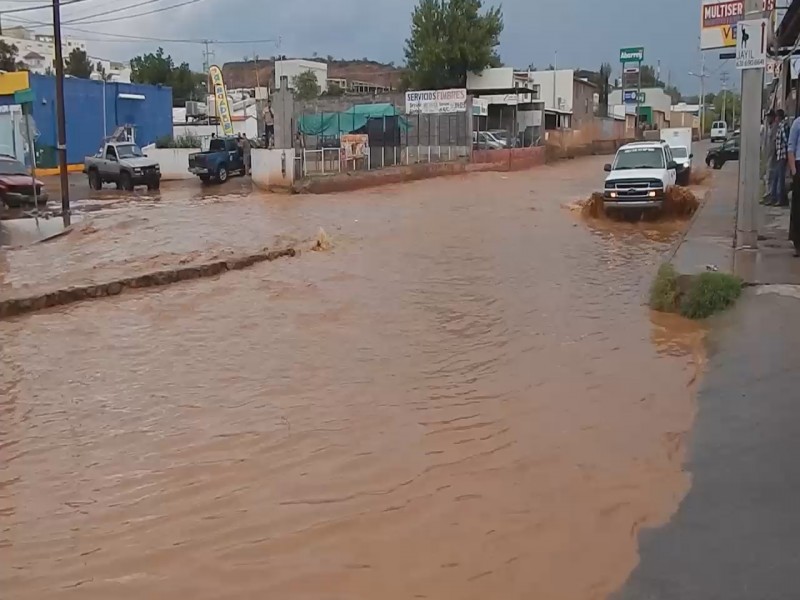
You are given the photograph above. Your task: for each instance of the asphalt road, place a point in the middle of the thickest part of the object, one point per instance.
(735, 536)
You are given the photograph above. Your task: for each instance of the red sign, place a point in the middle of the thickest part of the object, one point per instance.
(728, 13)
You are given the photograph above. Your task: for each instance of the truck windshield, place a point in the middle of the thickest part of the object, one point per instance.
(128, 151)
(679, 152)
(12, 167)
(217, 145)
(639, 158)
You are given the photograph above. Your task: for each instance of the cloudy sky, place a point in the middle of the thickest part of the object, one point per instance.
(581, 33)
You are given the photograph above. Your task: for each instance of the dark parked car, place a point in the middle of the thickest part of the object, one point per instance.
(223, 158)
(16, 185)
(719, 155)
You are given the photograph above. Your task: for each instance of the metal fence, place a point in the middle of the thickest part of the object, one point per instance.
(389, 139)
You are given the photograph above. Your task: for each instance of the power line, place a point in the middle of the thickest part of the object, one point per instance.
(107, 12)
(135, 15)
(114, 37)
(39, 7)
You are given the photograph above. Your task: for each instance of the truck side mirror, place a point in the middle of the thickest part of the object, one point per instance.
(691, 155)
(607, 168)
(672, 165)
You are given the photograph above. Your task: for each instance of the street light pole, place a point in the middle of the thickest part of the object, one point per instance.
(702, 76)
(750, 147)
(61, 145)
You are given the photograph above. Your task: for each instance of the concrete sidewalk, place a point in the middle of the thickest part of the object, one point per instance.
(735, 535)
(709, 241)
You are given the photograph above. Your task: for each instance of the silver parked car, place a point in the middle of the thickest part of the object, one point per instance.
(124, 164)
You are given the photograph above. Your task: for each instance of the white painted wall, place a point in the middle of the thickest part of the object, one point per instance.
(562, 82)
(293, 68)
(272, 169)
(174, 162)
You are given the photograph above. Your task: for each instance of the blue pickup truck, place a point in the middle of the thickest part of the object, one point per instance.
(222, 159)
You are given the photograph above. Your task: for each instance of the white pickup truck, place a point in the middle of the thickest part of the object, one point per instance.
(640, 175)
(680, 142)
(124, 164)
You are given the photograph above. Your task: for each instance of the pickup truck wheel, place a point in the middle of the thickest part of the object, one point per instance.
(222, 174)
(125, 182)
(716, 163)
(95, 182)
(153, 185)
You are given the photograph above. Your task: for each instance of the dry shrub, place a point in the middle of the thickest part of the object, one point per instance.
(699, 176)
(679, 203)
(593, 206)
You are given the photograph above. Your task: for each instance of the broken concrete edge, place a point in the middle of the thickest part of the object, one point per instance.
(682, 237)
(11, 307)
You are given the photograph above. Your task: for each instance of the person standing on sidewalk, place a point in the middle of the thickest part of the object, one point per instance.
(777, 175)
(794, 169)
(768, 153)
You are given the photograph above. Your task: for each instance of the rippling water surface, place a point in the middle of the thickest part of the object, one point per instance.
(465, 398)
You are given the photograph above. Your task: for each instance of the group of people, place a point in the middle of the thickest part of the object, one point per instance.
(783, 151)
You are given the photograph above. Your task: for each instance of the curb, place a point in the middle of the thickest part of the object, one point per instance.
(17, 306)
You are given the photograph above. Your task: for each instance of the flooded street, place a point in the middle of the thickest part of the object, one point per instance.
(466, 398)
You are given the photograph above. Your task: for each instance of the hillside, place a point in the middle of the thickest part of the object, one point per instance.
(241, 74)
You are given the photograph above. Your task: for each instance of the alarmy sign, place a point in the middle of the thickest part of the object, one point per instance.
(631, 55)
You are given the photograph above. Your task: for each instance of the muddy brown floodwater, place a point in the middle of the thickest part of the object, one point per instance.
(464, 398)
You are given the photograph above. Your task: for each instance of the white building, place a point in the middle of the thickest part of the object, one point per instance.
(502, 95)
(557, 89)
(655, 105)
(294, 67)
(37, 51)
(38, 54)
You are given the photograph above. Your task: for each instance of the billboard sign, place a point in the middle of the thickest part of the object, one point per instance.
(434, 102)
(633, 97)
(718, 22)
(631, 55)
(355, 145)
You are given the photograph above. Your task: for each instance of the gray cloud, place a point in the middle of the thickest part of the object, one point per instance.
(583, 33)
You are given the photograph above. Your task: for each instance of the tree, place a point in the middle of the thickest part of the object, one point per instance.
(101, 70)
(450, 38)
(155, 69)
(334, 89)
(305, 86)
(604, 88)
(78, 64)
(159, 69)
(8, 57)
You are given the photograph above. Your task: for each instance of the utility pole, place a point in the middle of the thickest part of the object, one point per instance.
(724, 79)
(702, 76)
(61, 145)
(750, 147)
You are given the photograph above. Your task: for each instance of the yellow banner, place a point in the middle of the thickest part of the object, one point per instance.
(221, 100)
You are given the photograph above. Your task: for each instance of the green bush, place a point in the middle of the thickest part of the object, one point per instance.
(664, 291)
(710, 293)
(182, 141)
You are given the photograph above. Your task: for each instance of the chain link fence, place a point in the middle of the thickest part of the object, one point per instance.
(376, 136)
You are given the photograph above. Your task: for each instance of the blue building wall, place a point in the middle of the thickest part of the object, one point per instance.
(84, 101)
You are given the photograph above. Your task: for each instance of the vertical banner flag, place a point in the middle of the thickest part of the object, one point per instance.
(221, 100)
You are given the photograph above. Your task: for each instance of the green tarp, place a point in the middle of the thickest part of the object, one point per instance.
(333, 124)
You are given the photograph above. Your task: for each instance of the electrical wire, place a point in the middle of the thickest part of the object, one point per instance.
(107, 12)
(128, 39)
(93, 21)
(39, 7)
